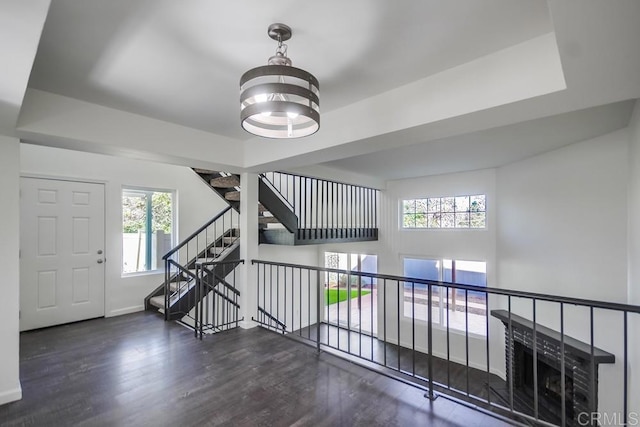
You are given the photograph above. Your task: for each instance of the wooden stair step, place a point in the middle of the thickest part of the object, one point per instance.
(230, 181)
(267, 220)
(233, 196)
(157, 302)
(205, 171)
(261, 208)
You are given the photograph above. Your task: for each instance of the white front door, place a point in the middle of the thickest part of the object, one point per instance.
(61, 252)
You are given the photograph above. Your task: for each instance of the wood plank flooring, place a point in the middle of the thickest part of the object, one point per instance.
(137, 370)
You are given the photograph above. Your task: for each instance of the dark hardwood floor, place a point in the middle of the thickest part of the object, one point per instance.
(137, 370)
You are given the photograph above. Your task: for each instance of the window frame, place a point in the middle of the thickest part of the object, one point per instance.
(147, 191)
(437, 208)
(439, 320)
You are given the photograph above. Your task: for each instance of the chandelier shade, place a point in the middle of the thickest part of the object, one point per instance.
(278, 100)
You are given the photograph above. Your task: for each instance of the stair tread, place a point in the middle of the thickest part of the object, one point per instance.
(261, 208)
(233, 196)
(230, 181)
(157, 302)
(267, 220)
(205, 171)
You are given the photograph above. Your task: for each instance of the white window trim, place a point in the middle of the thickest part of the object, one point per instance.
(174, 225)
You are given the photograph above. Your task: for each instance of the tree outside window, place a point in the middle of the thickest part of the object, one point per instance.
(445, 212)
(147, 228)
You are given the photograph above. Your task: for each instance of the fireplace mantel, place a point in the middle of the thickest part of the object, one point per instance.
(572, 345)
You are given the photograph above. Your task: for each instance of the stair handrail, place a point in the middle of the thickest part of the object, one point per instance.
(195, 233)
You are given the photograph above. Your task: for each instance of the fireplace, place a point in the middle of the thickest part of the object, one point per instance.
(549, 385)
(580, 370)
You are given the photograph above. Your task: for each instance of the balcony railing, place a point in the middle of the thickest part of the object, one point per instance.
(327, 209)
(534, 358)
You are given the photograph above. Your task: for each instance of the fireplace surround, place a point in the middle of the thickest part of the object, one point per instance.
(581, 369)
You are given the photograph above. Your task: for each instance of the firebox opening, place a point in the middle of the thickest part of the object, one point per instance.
(549, 384)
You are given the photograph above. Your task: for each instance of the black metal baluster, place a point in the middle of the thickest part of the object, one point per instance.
(486, 319)
(563, 386)
(510, 364)
(625, 365)
(300, 305)
(384, 320)
(430, 339)
(270, 294)
(398, 319)
(535, 362)
(348, 312)
(466, 334)
(592, 389)
(318, 302)
(326, 294)
(448, 289)
(309, 307)
(198, 283)
(277, 297)
(413, 329)
(359, 311)
(371, 304)
(353, 211)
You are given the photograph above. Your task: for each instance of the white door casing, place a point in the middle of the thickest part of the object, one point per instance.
(62, 252)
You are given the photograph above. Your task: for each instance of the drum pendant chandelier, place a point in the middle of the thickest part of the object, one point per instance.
(278, 100)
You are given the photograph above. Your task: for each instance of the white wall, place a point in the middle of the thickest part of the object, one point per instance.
(196, 203)
(562, 230)
(9, 265)
(634, 252)
(472, 245)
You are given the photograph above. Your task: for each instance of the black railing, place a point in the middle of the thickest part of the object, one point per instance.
(327, 209)
(213, 241)
(218, 299)
(533, 358)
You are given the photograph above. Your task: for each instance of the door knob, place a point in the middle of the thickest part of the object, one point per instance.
(99, 251)
(99, 261)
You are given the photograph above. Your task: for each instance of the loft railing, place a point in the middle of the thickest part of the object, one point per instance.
(218, 299)
(471, 348)
(215, 239)
(327, 209)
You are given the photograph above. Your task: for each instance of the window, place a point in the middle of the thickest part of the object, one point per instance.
(147, 228)
(350, 300)
(445, 212)
(455, 307)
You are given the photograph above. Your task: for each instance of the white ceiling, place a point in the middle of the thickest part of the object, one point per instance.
(180, 62)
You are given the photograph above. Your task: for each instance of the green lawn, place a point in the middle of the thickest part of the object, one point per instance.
(338, 295)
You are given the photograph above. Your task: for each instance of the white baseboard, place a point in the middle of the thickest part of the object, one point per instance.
(11, 395)
(247, 324)
(127, 310)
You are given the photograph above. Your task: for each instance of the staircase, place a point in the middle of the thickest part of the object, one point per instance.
(292, 210)
(298, 210)
(216, 241)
